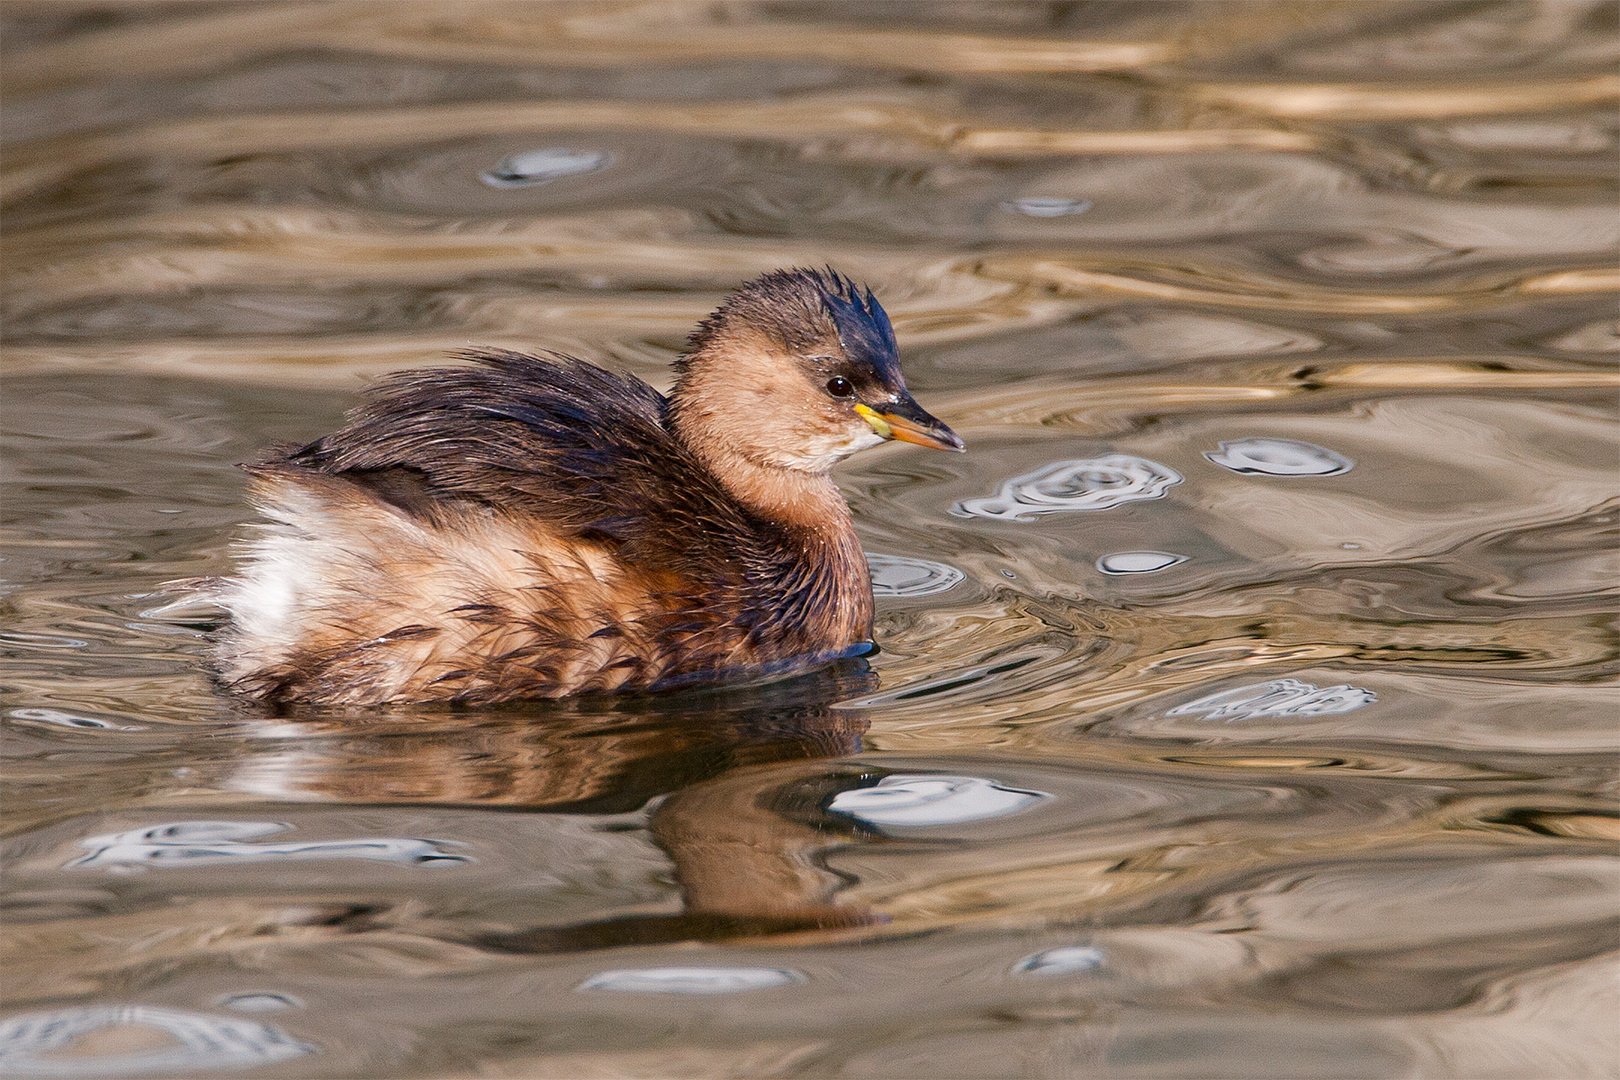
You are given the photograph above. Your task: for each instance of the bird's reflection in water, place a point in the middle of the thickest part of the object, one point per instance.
(741, 776)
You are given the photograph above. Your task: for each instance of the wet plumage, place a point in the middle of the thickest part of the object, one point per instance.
(535, 526)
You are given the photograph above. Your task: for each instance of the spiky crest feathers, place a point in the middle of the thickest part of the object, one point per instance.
(799, 309)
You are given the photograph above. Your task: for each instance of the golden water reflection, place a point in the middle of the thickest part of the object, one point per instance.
(1330, 789)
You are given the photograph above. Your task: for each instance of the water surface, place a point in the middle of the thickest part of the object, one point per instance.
(1243, 705)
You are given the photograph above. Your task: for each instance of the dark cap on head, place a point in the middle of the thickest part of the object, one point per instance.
(801, 308)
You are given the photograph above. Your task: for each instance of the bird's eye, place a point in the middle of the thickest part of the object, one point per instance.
(840, 387)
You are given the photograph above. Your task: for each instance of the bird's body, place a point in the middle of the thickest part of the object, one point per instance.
(531, 527)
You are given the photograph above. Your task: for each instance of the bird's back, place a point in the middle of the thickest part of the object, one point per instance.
(522, 527)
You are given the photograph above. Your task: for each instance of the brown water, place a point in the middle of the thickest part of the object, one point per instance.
(1189, 752)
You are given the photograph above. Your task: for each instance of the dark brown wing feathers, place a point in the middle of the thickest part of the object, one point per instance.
(555, 436)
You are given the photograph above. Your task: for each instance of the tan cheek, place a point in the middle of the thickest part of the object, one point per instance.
(760, 393)
(798, 406)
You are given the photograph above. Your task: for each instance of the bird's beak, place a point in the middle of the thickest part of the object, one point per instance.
(905, 420)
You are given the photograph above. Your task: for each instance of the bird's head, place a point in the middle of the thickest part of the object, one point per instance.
(797, 370)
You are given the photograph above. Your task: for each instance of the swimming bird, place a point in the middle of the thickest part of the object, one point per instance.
(538, 527)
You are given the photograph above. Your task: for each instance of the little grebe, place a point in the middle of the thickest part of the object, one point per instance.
(535, 527)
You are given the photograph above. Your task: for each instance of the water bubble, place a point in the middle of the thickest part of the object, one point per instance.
(1138, 562)
(1066, 960)
(58, 718)
(914, 800)
(1280, 697)
(1044, 206)
(1279, 457)
(544, 165)
(1090, 484)
(196, 1043)
(207, 843)
(691, 980)
(261, 1001)
(896, 575)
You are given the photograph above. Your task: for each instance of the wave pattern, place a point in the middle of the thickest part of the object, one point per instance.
(1299, 754)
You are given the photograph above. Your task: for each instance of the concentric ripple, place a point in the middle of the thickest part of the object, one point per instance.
(1280, 697)
(544, 165)
(261, 1001)
(904, 799)
(1042, 206)
(203, 843)
(61, 718)
(691, 980)
(30, 1043)
(1065, 960)
(898, 575)
(1087, 484)
(1279, 457)
(1138, 562)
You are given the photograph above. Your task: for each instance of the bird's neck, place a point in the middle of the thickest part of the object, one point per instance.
(800, 502)
(824, 575)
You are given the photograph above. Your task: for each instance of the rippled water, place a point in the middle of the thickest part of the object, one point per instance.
(1242, 707)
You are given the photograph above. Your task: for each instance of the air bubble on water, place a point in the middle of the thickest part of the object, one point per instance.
(924, 799)
(1279, 457)
(209, 843)
(544, 165)
(31, 1044)
(1044, 206)
(691, 980)
(1065, 960)
(1279, 697)
(1089, 484)
(897, 575)
(1138, 562)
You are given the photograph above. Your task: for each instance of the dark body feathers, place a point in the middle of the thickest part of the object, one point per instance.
(572, 465)
(554, 436)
